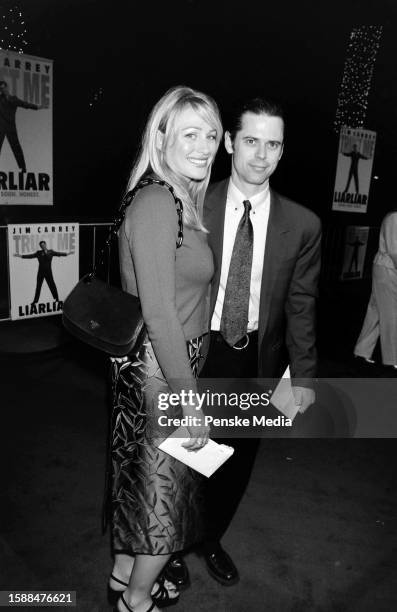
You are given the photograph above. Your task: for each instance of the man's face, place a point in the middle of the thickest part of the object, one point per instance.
(256, 151)
(43, 245)
(3, 89)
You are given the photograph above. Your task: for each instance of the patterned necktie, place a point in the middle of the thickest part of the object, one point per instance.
(234, 319)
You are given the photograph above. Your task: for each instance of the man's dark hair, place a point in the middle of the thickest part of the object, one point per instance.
(42, 242)
(3, 83)
(257, 106)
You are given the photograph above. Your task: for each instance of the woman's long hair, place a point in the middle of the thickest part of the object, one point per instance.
(151, 158)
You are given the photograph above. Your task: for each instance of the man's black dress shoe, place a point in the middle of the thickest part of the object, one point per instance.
(221, 567)
(176, 571)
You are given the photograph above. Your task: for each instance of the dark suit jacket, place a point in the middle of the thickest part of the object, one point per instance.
(289, 283)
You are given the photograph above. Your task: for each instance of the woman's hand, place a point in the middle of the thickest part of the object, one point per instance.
(199, 432)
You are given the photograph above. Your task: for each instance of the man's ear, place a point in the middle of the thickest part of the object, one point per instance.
(159, 140)
(229, 143)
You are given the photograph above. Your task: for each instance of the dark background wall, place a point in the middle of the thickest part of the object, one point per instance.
(134, 51)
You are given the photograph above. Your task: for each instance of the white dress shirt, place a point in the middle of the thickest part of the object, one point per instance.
(259, 217)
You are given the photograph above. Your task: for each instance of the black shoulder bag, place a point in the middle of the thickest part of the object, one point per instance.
(100, 314)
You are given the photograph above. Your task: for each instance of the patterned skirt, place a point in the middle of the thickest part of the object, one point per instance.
(156, 500)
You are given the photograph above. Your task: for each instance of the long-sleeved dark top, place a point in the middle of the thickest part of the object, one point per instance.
(172, 284)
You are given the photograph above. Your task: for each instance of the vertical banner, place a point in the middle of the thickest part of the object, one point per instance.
(356, 240)
(26, 175)
(354, 169)
(43, 267)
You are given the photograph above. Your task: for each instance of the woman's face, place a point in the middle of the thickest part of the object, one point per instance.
(192, 149)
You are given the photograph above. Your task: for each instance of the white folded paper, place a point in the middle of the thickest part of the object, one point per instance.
(206, 460)
(283, 398)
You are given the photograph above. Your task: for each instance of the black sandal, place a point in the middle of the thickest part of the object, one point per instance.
(131, 609)
(114, 594)
(161, 597)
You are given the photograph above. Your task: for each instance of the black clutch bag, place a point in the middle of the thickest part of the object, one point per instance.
(101, 314)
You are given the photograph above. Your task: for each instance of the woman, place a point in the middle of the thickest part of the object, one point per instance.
(381, 318)
(155, 498)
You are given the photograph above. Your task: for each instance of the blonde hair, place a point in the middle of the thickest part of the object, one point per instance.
(151, 159)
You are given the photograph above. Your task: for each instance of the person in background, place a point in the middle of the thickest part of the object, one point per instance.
(381, 317)
(156, 499)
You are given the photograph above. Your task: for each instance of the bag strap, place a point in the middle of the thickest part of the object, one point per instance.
(126, 201)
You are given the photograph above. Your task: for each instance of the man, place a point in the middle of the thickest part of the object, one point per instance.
(267, 260)
(44, 271)
(8, 128)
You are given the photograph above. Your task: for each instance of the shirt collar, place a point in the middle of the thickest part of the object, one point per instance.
(236, 198)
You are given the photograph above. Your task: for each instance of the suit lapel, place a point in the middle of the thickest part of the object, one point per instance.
(276, 244)
(214, 221)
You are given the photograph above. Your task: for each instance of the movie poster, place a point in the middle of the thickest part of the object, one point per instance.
(26, 175)
(44, 267)
(354, 169)
(356, 240)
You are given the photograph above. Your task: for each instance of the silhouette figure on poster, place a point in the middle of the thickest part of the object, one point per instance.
(45, 272)
(8, 128)
(354, 258)
(355, 157)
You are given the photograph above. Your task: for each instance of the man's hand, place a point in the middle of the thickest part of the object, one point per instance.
(304, 398)
(16, 255)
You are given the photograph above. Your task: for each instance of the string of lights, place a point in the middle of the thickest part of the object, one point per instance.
(96, 97)
(13, 30)
(359, 65)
